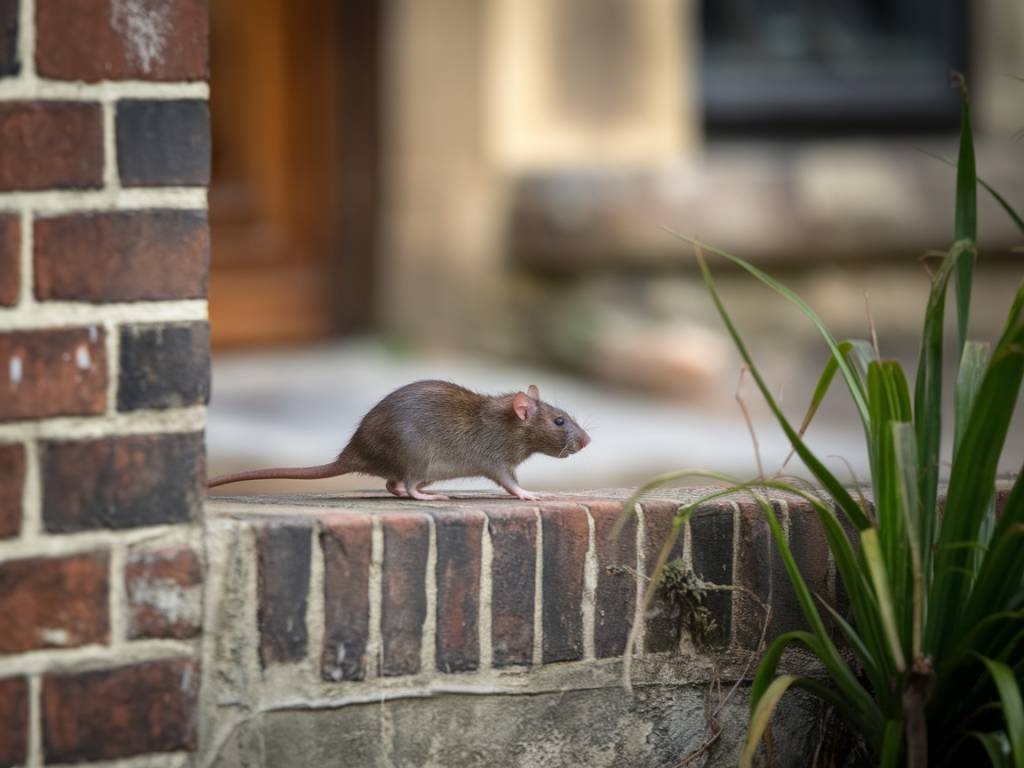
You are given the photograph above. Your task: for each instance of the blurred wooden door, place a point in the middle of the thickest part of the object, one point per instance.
(293, 196)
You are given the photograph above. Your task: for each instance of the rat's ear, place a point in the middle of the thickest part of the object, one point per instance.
(533, 392)
(524, 406)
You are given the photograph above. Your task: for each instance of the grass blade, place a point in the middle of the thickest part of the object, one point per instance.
(1013, 707)
(838, 492)
(852, 382)
(997, 747)
(1009, 209)
(876, 567)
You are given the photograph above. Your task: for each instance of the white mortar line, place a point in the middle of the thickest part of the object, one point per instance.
(62, 201)
(374, 646)
(35, 542)
(118, 597)
(315, 619)
(538, 594)
(641, 585)
(29, 86)
(26, 296)
(112, 342)
(26, 46)
(111, 179)
(589, 606)
(93, 656)
(190, 419)
(57, 314)
(687, 534)
(428, 643)
(31, 497)
(252, 671)
(734, 608)
(485, 619)
(35, 722)
(158, 760)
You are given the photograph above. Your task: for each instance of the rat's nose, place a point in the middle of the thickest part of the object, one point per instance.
(584, 440)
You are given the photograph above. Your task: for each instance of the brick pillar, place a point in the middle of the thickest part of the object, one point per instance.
(104, 376)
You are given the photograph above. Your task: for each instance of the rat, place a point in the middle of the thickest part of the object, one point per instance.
(435, 430)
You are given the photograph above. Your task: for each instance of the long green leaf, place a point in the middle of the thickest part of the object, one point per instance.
(906, 460)
(769, 663)
(1013, 708)
(972, 481)
(854, 385)
(836, 489)
(876, 566)
(762, 715)
(1009, 209)
(997, 746)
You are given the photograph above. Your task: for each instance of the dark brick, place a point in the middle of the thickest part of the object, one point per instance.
(711, 549)
(513, 575)
(615, 596)
(121, 256)
(759, 568)
(13, 721)
(565, 537)
(347, 543)
(284, 552)
(50, 144)
(120, 712)
(406, 543)
(163, 143)
(164, 366)
(10, 258)
(810, 549)
(663, 624)
(52, 372)
(164, 588)
(459, 541)
(9, 64)
(58, 602)
(12, 486)
(94, 40)
(121, 482)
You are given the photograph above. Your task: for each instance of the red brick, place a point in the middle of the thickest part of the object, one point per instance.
(164, 365)
(13, 721)
(513, 575)
(10, 259)
(404, 604)
(759, 568)
(284, 557)
(109, 40)
(121, 482)
(164, 589)
(347, 546)
(121, 256)
(662, 622)
(12, 485)
(565, 537)
(50, 145)
(459, 542)
(615, 596)
(9, 64)
(55, 372)
(163, 143)
(112, 713)
(53, 602)
(711, 548)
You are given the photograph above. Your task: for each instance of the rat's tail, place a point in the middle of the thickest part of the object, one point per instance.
(335, 468)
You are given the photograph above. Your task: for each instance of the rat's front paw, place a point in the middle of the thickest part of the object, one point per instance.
(527, 495)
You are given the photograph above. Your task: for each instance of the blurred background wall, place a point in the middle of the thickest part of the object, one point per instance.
(476, 189)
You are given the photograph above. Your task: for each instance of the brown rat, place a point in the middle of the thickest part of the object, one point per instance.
(435, 430)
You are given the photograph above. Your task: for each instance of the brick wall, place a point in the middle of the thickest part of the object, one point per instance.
(104, 376)
(328, 602)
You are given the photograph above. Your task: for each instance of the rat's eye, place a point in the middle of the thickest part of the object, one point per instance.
(560, 421)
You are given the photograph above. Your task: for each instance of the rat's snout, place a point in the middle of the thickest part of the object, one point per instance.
(584, 439)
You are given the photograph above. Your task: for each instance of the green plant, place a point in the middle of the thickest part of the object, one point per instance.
(937, 597)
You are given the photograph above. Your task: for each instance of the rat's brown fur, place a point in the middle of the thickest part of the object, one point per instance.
(435, 430)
